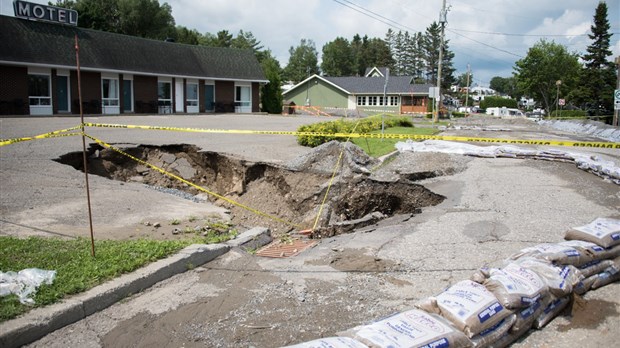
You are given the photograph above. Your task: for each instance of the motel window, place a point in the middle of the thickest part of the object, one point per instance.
(109, 89)
(164, 93)
(39, 90)
(191, 92)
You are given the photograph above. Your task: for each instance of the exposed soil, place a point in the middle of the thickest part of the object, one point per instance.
(283, 198)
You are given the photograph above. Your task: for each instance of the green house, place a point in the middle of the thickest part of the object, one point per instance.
(376, 92)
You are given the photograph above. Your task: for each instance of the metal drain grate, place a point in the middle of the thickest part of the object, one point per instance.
(286, 249)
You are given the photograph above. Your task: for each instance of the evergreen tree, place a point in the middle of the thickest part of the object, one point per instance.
(302, 63)
(357, 51)
(337, 59)
(430, 44)
(598, 78)
(271, 93)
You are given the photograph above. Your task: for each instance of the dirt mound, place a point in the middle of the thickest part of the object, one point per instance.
(324, 158)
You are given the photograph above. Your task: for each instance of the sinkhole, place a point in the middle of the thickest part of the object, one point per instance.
(293, 196)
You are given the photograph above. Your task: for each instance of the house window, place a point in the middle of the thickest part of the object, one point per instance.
(381, 101)
(39, 90)
(372, 100)
(393, 100)
(361, 100)
(109, 89)
(191, 93)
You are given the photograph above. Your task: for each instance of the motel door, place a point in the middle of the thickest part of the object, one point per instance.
(210, 98)
(62, 93)
(178, 96)
(127, 96)
(243, 99)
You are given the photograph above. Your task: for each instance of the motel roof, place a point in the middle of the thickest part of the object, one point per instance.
(26, 42)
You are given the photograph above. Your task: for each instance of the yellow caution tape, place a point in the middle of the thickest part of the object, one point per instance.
(200, 188)
(605, 145)
(54, 134)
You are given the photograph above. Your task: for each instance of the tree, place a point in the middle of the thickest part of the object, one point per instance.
(222, 39)
(271, 93)
(431, 44)
(143, 18)
(357, 51)
(545, 64)
(464, 81)
(377, 53)
(337, 58)
(302, 63)
(598, 78)
(504, 85)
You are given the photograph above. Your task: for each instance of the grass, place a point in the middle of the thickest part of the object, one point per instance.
(380, 147)
(76, 270)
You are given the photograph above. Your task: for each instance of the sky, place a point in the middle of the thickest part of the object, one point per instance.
(488, 35)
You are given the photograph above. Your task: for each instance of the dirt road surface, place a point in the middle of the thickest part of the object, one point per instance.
(492, 208)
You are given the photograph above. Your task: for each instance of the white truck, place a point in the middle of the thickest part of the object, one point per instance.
(504, 112)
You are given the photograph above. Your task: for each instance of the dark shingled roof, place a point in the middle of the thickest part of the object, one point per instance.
(374, 85)
(34, 42)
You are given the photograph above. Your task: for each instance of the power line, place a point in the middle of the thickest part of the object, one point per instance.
(521, 35)
(484, 44)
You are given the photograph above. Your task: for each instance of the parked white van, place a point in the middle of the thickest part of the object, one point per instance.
(505, 112)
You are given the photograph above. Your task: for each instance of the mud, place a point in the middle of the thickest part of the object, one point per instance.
(281, 198)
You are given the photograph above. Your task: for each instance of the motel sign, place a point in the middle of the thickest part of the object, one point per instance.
(47, 13)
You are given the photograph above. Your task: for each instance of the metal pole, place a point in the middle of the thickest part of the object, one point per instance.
(387, 78)
(467, 90)
(442, 22)
(90, 213)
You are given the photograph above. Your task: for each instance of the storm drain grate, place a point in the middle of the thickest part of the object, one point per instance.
(286, 249)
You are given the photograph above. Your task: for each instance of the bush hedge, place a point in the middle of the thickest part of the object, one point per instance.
(366, 125)
(568, 113)
(498, 102)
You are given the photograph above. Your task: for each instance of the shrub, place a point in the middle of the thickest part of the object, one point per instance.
(568, 113)
(498, 102)
(366, 125)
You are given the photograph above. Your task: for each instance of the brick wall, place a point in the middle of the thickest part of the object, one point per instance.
(91, 92)
(145, 94)
(13, 90)
(224, 96)
(255, 97)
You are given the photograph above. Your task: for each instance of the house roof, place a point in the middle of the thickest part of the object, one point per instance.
(49, 44)
(382, 71)
(375, 85)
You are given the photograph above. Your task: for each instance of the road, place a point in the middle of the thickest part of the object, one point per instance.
(493, 208)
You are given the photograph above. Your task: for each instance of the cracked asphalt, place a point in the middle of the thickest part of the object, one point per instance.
(493, 208)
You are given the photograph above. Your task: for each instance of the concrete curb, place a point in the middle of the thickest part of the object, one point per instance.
(41, 321)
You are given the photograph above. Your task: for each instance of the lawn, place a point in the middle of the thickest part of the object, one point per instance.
(380, 147)
(76, 270)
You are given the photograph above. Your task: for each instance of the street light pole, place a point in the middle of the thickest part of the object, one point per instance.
(442, 22)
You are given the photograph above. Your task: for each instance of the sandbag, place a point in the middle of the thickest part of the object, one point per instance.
(330, 342)
(469, 306)
(525, 317)
(413, 328)
(494, 333)
(609, 275)
(560, 279)
(602, 231)
(551, 311)
(556, 253)
(590, 250)
(594, 267)
(515, 286)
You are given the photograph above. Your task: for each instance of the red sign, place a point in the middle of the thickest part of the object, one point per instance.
(562, 102)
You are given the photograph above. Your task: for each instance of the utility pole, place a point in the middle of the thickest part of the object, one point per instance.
(614, 122)
(467, 90)
(442, 21)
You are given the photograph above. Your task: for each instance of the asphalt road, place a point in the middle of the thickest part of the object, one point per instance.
(494, 207)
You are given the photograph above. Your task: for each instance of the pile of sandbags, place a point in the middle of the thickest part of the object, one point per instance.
(498, 305)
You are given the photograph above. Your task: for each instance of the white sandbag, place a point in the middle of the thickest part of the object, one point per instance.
(594, 267)
(330, 342)
(492, 334)
(556, 253)
(560, 279)
(551, 311)
(413, 328)
(602, 231)
(469, 306)
(525, 317)
(516, 286)
(592, 250)
(585, 285)
(609, 275)
(611, 252)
